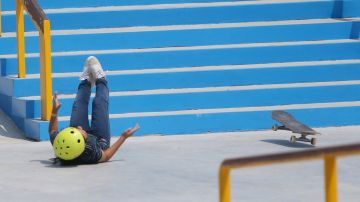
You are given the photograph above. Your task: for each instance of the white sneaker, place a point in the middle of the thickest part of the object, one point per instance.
(95, 67)
(88, 72)
(85, 73)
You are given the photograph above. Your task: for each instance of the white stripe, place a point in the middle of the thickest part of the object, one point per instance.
(230, 67)
(200, 112)
(240, 109)
(206, 68)
(181, 27)
(188, 48)
(163, 6)
(213, 89)
(4, 13)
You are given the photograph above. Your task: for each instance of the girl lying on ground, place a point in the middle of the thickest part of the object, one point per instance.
(81, 143)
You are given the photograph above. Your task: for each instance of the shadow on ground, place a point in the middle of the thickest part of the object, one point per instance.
(286, 143)
(55, 163)
(8, 128)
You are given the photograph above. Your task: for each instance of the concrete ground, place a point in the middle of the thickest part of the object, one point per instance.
(174, 169)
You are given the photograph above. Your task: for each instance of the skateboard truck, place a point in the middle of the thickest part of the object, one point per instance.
(293, 138)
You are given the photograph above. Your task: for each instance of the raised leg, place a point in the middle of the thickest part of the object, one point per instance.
(79, 113)
(100, 125)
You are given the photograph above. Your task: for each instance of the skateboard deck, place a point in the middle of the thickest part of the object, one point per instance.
(290, 123)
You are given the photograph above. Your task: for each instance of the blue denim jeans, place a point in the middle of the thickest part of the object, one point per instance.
(100, 126)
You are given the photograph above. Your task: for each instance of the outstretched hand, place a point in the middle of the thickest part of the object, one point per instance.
(108, 153)
(56, 103)
(129, 132)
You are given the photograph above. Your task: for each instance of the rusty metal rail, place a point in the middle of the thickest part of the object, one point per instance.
(329, 154)
(42, 24)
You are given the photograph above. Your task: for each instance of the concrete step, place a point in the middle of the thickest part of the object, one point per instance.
(181, 14)
(54, 4)
(175, 57)
(186, 67)
(206, 98)
(183, 36)
(197, 77)
(198, 121)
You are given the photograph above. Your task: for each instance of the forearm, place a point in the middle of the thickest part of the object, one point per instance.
(107, 154)
(53, 125)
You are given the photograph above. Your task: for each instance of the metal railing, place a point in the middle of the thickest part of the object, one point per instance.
(42, 24)
(329, 155)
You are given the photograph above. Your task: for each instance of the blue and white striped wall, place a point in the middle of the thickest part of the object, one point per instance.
(194, 66)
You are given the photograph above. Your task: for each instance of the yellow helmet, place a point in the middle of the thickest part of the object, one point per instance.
(69, 144)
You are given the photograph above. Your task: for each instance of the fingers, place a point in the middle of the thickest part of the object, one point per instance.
(55, 95)
(56, 104)
(135, 128)
(130, 131)
(55, 99)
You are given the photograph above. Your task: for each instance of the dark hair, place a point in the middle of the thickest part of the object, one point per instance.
(62, 162)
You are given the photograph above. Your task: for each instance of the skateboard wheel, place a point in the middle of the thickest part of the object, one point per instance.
(313, 141)
(293, 139)
(275, 127)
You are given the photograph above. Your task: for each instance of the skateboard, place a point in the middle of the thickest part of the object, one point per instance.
(291, 124)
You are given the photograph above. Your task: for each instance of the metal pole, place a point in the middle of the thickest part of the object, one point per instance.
(224, 180)
(20, 32)
(45, 71)
(330, 178)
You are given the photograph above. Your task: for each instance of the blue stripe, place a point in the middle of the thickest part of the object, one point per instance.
(228, 14)
(351, 8)
(199, 79)
(210, 100)
(46, 4)
(257, 34)
(188, 58)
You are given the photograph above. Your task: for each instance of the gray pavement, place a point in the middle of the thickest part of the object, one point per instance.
(174, 168)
